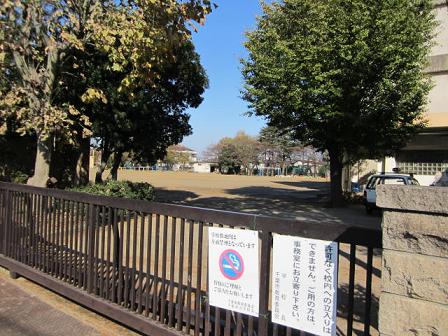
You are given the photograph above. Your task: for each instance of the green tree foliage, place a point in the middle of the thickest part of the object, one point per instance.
(124, 189)
(53, 47)
(280, 147)
(149, 119)
(175, 157)
(345, 75)
(228, 159)
(248, 150)
(238, 154)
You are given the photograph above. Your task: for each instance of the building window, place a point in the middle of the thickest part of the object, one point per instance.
(422, 168)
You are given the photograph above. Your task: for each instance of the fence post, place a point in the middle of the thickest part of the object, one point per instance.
(116, 235)
(7, 228)
(30, 248)
(91, 248)
(263, 321)
(2, 220)
(6, 222)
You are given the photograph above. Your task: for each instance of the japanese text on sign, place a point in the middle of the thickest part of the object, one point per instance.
(305, 284)
(233, 270)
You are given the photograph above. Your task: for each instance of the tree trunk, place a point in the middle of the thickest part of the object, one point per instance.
(99, 173)
(336, 165)
(42, 163)
(81, 177)
(116, 165)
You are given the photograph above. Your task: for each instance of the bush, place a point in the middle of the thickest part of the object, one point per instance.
(15, 177)
(125, 189)
(19, 177)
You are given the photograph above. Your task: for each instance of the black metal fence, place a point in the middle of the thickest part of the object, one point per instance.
(144, 264)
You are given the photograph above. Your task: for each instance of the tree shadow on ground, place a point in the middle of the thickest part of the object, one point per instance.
(316, 185)
(358, 309)
(268, 206)
(299, 204)
(173, 196)
(285, 207)
(291, 195)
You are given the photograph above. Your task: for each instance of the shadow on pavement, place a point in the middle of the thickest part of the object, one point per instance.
(275, 206)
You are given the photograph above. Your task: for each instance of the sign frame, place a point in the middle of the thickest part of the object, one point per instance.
(304, 284)
(234, 269)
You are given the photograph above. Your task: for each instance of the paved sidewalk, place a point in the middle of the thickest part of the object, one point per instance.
(24, 314)
(27, 309)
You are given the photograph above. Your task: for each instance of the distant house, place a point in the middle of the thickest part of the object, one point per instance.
(181, 149)
(205, 167)
(178, 157)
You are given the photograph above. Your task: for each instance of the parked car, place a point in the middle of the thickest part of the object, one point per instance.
(377, 179)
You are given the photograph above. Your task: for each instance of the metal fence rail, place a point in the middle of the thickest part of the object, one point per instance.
(145, 263)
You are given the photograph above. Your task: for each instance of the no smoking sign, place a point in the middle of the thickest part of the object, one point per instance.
(231, 264)
(234, 270)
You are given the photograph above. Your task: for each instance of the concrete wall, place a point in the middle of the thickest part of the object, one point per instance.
(441, 33)
(414, 295)
(438, 68)
(437, 104)
(425, 180)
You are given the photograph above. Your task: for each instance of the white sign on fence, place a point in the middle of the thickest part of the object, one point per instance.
(233, 270)
(304, 284)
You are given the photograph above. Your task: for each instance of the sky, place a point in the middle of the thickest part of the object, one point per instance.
(220, 45)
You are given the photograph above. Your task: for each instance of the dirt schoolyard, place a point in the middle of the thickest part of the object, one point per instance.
(299, 197)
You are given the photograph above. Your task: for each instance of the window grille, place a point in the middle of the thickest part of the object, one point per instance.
(422, 168)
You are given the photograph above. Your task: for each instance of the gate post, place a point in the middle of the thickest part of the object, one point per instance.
(414, 281)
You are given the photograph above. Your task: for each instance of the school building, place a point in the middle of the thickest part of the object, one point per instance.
(426, 156)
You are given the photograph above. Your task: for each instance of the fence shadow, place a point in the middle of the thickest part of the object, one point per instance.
(358, 309)
(361, 263)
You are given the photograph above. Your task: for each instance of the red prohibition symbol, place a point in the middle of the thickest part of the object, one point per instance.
(231, 264)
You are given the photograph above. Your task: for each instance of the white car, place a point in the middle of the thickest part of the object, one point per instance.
(377, 179)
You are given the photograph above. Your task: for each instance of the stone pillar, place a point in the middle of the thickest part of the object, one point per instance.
(414, 278)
